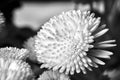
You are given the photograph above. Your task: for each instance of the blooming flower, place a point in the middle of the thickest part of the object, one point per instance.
(2, 19)
(14, 53)
(11, 69)
(65, 41)
(29, 45)
(53, 75)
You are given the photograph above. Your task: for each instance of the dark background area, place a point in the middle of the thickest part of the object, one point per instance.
(10, 35)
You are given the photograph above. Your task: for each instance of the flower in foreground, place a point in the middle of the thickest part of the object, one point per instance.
(53, 75)
(14, 53)
(67, 42)
(11, 69)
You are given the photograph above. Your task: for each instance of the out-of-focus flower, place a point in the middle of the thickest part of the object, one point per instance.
(14, 53)
(3, 32)
(2, 19)
(29, 44)
(11, 69)
(53, 75)
(32, 15)
(63, 42)
(112, 74)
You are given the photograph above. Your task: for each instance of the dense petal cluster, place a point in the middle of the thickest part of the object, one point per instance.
(12, 65)
(14, 70)
(14, 53)
(53, 75)
(64, 42)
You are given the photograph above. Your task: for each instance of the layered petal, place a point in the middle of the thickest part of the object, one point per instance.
(13, 53)
(65, 40)
(14, 70)
(53, 75)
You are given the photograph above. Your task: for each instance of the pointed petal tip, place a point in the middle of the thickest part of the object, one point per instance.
(96, 66)
(110, 53)
(71, 73)
(115, 44)
(41, 66)
(102, 32)
(98, 61)
(104, 45)
(84, 72)
(99, 18)
(44, 66)
(78, 71)
(103, 26)
(108, 42)
(90, 69)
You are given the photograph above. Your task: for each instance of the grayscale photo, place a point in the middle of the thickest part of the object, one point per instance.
(59, 39)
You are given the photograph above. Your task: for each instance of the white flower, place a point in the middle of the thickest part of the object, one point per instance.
(64, 42)
(14, 53)
(11, 69)
(2, 19)
(53, 75)
(29, 45)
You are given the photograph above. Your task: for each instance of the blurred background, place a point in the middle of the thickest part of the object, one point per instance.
(23, 18)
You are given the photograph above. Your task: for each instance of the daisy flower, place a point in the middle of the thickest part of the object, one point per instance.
(14, 53)
(11, 69)
(53, 75)
(64, 42)
(2, 19)
(29, 45)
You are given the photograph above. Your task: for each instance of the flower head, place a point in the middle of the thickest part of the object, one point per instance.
(11, 69)
(53, 75)
(2, 19)
(14, 53)
(64, 42)
(29, 45)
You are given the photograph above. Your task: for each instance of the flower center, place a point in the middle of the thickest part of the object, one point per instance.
(81, 42)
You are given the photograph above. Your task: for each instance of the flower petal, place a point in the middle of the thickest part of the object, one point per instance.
(95, 26)
(100, 28)
(97, 61)
(100, 33)
(107, 41)
(101, 53)
(62, 69)
(67, 69)
(104, 45)
(53, 75)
